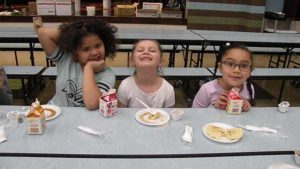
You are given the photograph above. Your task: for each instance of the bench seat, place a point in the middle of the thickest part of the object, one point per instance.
(19, 47)
(24, 72)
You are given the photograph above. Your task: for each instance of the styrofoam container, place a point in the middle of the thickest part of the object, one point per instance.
(177, 114)
(283, 106)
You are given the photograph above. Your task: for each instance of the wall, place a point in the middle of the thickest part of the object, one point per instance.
(274, 6)
(229, 15)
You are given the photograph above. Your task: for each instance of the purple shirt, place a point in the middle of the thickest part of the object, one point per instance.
(210, 91)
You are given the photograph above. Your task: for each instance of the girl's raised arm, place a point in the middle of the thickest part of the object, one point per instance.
(48, 38)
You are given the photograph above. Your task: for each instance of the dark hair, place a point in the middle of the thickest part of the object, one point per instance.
(224, 51)
(227, 48)
(73, 33)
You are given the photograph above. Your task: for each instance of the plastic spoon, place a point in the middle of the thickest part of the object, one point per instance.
(151, 111)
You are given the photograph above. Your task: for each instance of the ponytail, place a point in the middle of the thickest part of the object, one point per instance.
(250, 89)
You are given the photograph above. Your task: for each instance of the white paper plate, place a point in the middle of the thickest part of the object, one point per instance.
(51, 111)
(140, 117)
(222, 125)
(48, 114)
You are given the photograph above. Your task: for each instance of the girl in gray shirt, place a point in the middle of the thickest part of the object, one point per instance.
(79, 49)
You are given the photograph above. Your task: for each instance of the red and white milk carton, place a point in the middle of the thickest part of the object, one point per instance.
(108, 103)
(234, 102)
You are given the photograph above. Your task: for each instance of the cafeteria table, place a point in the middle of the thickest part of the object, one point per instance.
(231, 162)
(127, 138)
(250, 39)
(175, 37)
(125, 36)
(23, 36)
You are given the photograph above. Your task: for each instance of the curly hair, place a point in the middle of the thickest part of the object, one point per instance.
(72, 34)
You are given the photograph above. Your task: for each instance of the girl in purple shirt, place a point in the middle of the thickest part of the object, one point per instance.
(236, 65)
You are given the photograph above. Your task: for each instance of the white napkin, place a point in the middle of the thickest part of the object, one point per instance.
(2, 134)
(188, 134)
(259, 129)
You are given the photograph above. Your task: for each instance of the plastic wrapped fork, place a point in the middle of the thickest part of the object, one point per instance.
(92, 131)
(259, 129)
(187, 136)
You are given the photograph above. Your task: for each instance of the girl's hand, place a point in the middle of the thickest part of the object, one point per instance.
(97, 66)
(246, 105)
(221, 102)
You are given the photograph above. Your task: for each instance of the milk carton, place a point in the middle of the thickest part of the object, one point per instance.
(108, 103)
(234, 102)
(64, 7)
(45, 7)
(35, 119)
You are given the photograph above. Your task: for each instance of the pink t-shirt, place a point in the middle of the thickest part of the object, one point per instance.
(210, 91)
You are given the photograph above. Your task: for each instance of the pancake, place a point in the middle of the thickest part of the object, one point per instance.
(219, 133)
(148, 117)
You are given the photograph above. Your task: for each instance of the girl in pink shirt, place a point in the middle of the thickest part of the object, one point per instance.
(236, 65)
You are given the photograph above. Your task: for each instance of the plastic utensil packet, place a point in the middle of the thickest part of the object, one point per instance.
(91, 131)
(259, 129)
(187, 136)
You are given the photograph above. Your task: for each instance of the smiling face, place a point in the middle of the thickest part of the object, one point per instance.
(146, 53)
(235, 67)
(91, 49)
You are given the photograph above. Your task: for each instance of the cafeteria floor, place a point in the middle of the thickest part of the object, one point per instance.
(267, 91)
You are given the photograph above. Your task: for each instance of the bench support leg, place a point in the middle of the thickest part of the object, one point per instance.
(16, 58)
(24, 92)
(31, 53)
(281, 91)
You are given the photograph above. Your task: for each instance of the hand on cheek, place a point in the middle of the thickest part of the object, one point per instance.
(97, 66)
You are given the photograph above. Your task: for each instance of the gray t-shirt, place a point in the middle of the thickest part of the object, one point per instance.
(6, 97)
(69, 80)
